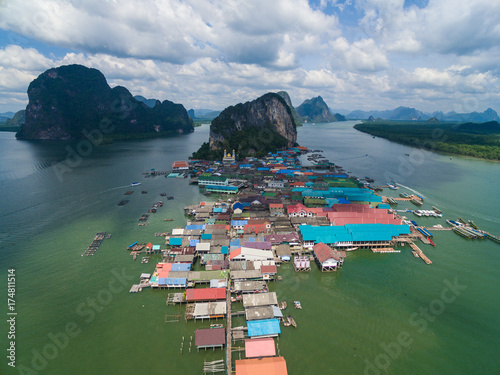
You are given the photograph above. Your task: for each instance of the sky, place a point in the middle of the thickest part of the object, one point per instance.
(432, 55)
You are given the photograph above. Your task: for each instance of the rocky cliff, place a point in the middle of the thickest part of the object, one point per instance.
(315, 110)
(252, 128)
(67, 101)
(295, 115)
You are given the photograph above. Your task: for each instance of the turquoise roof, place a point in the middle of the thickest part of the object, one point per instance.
(352, 232)
(263, 327)
(175, 242)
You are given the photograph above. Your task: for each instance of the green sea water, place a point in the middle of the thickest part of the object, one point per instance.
(380, 314)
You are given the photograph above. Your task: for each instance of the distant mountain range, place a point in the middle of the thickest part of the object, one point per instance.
(6, 115)
(412, 114)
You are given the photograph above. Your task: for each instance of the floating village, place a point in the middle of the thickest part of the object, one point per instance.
(261, 213)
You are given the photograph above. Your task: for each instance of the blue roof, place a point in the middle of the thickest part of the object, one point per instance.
(237, 205)
(264, 327)
(224, 250)
(206, 236)
(221, 187)
(239, 222)
(195, 227)
(175, 242)
(193, 242)
(385, 206)
(182, 281)
(181, 267)
(352, 232)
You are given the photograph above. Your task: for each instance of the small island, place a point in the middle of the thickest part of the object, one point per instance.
(72, 101)
(480, 140)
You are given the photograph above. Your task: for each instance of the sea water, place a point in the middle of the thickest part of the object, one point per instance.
(379, 314)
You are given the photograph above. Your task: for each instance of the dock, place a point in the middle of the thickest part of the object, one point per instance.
(96, 242)
(385, 250)
(419, 252)
(135, 288)
(228, 330)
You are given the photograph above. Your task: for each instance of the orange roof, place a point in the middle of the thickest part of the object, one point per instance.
(180, 164)
(149, 245)
(301, 148)
(259, 366)
(276, 205)
(235, 253)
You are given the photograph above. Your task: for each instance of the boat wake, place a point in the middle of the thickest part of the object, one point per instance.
(116, 188)
(412, 190)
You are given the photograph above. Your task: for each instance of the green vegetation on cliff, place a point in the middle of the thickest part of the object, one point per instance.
(68, 101)
(253, 128)
(470, 139)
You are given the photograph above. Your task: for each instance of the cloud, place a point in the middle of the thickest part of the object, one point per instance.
(30, 59)
(174, 31)
(363, 55)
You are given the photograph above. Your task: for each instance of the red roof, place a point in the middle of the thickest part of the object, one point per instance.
(268, 269)
(210, 337)
(205, 294)
(324, 252)
(276, 205)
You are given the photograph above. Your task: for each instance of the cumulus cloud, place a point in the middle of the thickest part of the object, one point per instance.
(363, 55)
(215, 53)
(174, 31)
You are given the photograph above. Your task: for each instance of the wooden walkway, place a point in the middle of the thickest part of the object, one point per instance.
(419, 252)
(228, 329)
(385, 250)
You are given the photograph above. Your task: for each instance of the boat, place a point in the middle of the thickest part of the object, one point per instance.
(473, 225)
(163, 194)
(170, 219)
(392, 186)
(216, 325)
(297, 305)
(170, 198)
(292, 321)
(144, 192)
(436, 209)
(461, 220)
(416, 202)
(135, 184)
(418, 213)
(351, 248)
(369, 179)
(123, 202)
(282, 305)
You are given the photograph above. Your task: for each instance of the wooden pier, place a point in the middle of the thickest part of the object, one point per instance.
(384, 250)
(228, 329)
(419, 252)
(94, 246)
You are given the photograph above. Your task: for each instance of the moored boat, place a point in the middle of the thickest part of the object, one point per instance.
(135, 184)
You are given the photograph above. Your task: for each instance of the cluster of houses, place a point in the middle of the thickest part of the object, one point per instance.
(276, 211)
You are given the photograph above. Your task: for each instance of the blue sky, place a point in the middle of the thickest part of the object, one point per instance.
(356, 54)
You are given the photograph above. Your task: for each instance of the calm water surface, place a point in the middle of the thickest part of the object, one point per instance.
(387, 314)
